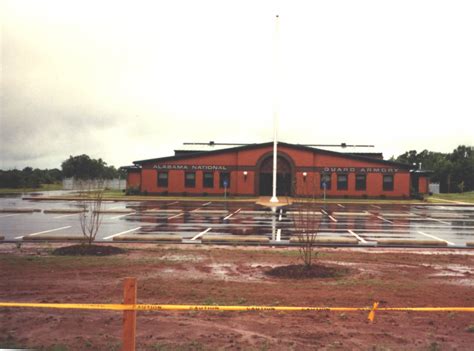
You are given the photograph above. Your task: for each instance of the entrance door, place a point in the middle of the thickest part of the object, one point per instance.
(414, 183)
(266, 180)
(283, 177)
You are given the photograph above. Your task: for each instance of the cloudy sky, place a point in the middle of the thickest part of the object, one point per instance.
(130, 80)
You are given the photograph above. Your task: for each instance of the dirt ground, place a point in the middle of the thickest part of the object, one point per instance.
(235, 276)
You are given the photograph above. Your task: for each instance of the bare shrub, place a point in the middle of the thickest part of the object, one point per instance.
(90, 218)
(306, 222)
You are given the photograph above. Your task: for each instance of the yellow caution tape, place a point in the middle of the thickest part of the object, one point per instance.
(151, 307)
(79, 306)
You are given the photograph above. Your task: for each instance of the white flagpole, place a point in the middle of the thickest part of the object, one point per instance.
(275, 113)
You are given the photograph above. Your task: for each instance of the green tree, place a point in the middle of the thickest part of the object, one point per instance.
(462, 171)
(449, 169)
(83, 167)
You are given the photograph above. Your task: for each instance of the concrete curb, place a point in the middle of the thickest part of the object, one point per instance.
(54, 237)
(355, 214)
(398, 215)
(304, 213)
(408, 242)
(19, 210)
(235, 239)
(122, 211)
(326, 240)
(162, 211)
(250, 199)
(64, 210)
(210, 211)
(148, 237)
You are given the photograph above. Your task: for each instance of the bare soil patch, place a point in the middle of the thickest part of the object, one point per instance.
(209, 275)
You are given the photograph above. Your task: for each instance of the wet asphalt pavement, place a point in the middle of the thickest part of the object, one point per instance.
(189, 220)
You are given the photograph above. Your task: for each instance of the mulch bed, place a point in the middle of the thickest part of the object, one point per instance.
(299, 271)
(88, 250)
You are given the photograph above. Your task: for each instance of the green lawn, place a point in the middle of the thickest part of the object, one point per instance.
(44, 187)
(461, 197)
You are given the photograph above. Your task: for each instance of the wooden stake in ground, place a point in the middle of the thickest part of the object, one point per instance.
(129, 317)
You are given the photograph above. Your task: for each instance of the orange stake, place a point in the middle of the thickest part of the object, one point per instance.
(129, 317)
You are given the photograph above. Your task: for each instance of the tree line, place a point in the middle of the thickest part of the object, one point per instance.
(80, 167)
(454, 171)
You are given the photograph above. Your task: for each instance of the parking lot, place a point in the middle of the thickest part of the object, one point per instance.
(242, 222)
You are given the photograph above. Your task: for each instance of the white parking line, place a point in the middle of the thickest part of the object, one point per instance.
(323, 211)
(362, 240)
(383, 219)
(207, 203)
(201, 234)
(439, 220)
(332, 218)
(125, 232)
(435, 237)
(279, 234)
(43, 232)
(172, 203)
(279, 217)
(11, 215)
(179, 214)
(341, 206)
(125, 215)
(233, 213)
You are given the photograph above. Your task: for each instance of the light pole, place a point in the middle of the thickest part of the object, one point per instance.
(274, 198)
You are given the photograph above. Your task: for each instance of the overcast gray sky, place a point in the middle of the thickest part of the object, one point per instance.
(130, 80)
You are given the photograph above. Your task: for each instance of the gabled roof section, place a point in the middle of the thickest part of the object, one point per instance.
(260, 145)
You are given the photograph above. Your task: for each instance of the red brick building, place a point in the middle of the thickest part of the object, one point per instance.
(302, 171)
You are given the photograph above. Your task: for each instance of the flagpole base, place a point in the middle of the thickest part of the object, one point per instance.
(274, 199)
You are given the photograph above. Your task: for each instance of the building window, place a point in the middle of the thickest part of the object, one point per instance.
(342, 182)
(326, 180)
(190, 179)
(163, 179)
(361, 182)
(224, 178)
(388, 182)
(208, 180)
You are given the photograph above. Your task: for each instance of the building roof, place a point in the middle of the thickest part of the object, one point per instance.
(351, 149)
(187, 155)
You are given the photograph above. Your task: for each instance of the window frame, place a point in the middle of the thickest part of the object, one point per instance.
(324, 176)
(207, 185)
(221, 179)
(357, 187)
(187, 183)
(158, 180)
(339, 183)
(385, 186)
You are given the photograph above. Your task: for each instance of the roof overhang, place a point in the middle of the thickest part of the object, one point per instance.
(256, 146)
